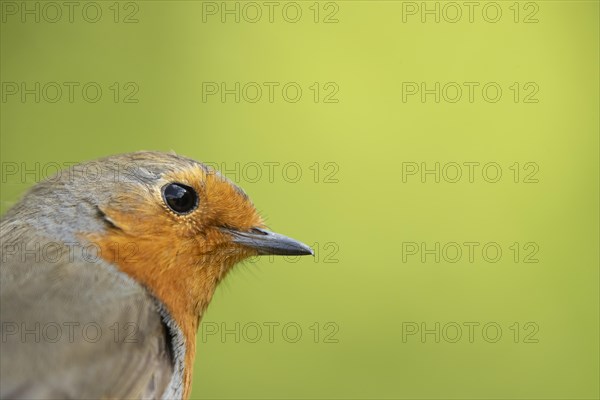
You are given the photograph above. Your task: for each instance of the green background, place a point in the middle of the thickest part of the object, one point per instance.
(360, 210)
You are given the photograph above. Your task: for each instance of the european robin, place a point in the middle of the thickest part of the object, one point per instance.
(106, 271)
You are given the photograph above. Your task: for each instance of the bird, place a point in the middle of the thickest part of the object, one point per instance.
(107, 268)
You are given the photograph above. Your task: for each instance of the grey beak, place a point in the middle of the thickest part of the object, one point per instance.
(269, 243)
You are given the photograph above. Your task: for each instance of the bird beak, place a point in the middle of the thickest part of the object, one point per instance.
(269, 243)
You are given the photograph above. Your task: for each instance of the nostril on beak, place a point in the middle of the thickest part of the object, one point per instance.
(259, 231)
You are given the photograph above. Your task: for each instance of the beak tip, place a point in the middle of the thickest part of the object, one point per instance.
(302, 249)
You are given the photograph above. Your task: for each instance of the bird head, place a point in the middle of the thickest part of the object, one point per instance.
(191, 209)
(171, 223)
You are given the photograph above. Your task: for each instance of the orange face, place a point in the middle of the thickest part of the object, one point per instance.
(196, 235)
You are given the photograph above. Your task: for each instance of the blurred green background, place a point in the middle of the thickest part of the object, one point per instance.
(374, 315)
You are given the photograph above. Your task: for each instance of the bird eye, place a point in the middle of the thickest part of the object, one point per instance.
(180, 198)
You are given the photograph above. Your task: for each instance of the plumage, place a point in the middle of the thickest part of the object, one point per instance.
(102, 285)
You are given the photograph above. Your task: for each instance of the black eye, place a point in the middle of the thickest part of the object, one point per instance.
(180, 198)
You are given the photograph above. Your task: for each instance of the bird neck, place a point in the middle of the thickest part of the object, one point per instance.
(184, 287)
